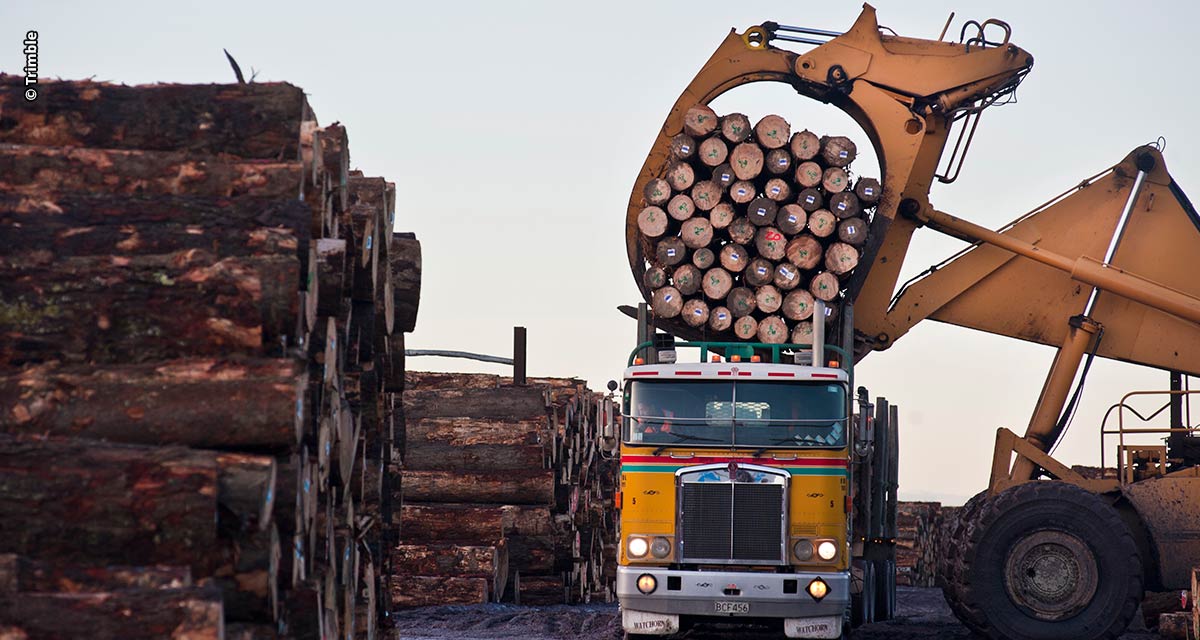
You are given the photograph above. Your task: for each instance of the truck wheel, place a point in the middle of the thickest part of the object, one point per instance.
(949, 570)
(1049, 561)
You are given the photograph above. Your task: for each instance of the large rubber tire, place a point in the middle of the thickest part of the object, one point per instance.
(953, 533)
(1048, 561)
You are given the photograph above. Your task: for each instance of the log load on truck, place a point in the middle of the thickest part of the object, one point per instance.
(1102, 270)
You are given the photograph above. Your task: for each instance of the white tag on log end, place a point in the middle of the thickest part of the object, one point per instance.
(698, 312)
(842, 154)
(792, 219)
(686, 149)
(762, 271)
(869, 191)
(670, 253)
(667, 298)
(721, 316)
(809, 200)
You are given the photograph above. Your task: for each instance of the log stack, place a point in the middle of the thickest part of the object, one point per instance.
(918, 525)
(504, 494)
(200, 365)
(749, 225)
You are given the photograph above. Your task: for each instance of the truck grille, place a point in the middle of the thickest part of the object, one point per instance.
(731, 522)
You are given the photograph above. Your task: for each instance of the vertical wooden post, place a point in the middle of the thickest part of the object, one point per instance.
(519, 355)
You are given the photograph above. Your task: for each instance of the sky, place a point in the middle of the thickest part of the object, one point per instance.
(514, 132)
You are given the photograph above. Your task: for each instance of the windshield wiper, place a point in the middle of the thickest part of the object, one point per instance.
(793, 440)
(681, 438)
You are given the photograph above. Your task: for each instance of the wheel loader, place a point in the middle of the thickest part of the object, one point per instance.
(1103, 270)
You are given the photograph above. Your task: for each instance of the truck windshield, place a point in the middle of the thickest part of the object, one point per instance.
(743, 414)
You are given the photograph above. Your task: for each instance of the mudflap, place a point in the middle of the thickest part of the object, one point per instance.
(653, 624)
(820, 627)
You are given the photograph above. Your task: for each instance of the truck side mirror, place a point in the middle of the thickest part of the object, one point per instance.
(607, 438)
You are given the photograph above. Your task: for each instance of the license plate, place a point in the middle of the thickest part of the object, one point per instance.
(733, 607)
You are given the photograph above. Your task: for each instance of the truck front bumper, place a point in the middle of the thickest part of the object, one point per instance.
(723, 593)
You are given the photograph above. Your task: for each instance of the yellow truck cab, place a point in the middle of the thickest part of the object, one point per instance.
(736, 492)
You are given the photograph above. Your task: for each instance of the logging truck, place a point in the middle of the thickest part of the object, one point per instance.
(1105, 269)
(737, 479)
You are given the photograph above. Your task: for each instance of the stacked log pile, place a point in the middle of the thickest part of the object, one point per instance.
(918, 526)
(201, 351)
(503, 493)
(748, 225)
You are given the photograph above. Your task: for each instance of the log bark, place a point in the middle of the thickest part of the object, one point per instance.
(770, 243)
(798, 305)
(824, 286)
(262, 403)
(779, 162)
(721, 215)
(683, 146)
(838, 151)
(249, 578)
(852, 231)
(772, 132)
(809, 174)
(681, 207)
(22, 574)
(822, 223)
(136, 614)
(805, 145)
(513, 486)
(840, 258)
(424, 591)
(39, 171)
(1175, 626)
(127, 225)
(745, 327)
(79, 501)
(696, 233)
(734, 258)
(454, 524)
(680, 176)
(686, 279)
(741, 301)
(670, 251)
(706, 194)
(791, 219)
(542, 590)
(695, 313)
(502, 403)
(760, 271)
(330, 275)
(735, 127)
(772, 330)
(473, 444)
(720, 319)
(746, 159)
(699, 121)
(250, 631)
(787, 277)
(257, 120)
(657, 192)
(768, 298)
(666, 302)
(804, 251)
(713, 152)
(703, 258)
(405, 260)
(490, 562)
(717, 283)
(184, 304)
(868, 190)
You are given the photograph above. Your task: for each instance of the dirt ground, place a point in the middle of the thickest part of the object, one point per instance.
(921, 613)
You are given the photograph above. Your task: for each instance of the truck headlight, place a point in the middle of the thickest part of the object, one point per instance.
(660, 548)
(637, 547)
(803, 550)
(827, 550)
